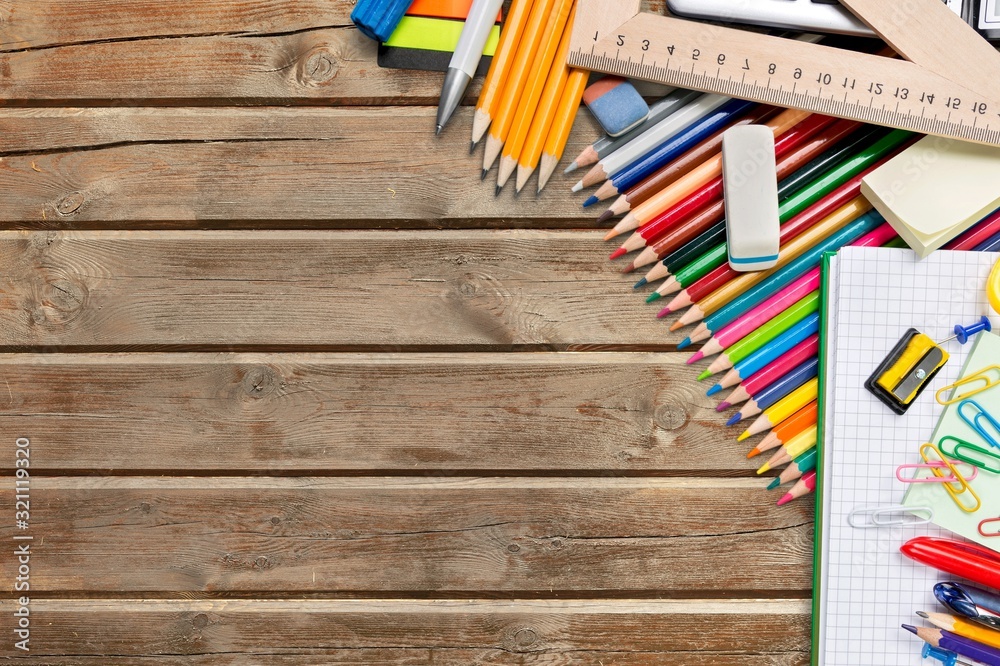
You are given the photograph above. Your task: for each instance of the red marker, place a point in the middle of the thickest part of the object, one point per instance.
(967, 560)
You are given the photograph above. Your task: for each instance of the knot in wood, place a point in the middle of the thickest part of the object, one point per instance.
(671, 416)
(61, 301)
(318, 66)
(259, 381)
(520, 639)
(70, 203)
(200, 621)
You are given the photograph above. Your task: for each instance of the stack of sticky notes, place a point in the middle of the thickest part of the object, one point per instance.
(428, 34)
(935, 189)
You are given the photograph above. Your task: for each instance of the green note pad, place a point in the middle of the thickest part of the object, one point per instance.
(985, 352)
(431, 34)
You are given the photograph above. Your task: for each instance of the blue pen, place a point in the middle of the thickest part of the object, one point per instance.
(970, 602)
(809, 259)
(774, 392)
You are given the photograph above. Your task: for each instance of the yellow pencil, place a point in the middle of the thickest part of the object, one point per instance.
(784, 408)
(503, 117)
(503, 57)
(795, 247)
(527, 106)
(791, 450)
(546, 111)
(555, 143)
(964, 628)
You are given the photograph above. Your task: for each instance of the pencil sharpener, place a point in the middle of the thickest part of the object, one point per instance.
(906, 371)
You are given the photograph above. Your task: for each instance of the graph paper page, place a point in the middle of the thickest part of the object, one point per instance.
(867, 588)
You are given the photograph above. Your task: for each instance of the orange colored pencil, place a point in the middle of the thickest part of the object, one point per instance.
(500, 66)
(784, 431)
(555, 143)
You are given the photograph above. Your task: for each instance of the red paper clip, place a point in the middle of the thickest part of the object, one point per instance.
(990, 521)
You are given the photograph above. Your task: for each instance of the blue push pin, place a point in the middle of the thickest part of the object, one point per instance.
(946, 657)
(963, 333)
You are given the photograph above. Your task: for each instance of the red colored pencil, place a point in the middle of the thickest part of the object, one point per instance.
(977, 234)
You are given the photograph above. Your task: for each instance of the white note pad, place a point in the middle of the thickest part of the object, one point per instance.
(865, 587)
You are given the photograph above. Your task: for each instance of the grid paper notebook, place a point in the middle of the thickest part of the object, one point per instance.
(866, 587)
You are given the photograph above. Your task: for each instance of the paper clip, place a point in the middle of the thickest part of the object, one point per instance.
(982, 375)
(979, 414)
(990, 464)
(873, 516)
(964, 485)
(973, 472)
(994, 531)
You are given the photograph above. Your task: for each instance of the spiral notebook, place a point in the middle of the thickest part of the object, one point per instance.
(863, 587)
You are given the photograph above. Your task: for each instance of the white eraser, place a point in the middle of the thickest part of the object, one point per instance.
(750, 186)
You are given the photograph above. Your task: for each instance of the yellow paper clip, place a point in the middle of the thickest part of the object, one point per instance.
(964, 485)
(982, 375)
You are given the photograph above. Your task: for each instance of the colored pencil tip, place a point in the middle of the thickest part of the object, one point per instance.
(653, 297)
(734, 419)
(715, 389)
(922, 614)
(573, 166)
(684, 344)
(618, 253)
(641, 283)
(695, 357)
(753, 452)
(677, 325)
(663, 313)
(785, 499)
(483, 175)
(910, 628)
(763, 468)
(745, 435)
(774, 483)
(705, 375)
(437, 130)
(498, 190)
(722, 406)
(606, 215)
(591, 200)
(578, 186)
(630, 268)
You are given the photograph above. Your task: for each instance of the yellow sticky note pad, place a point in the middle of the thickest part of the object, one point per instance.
(430, 34)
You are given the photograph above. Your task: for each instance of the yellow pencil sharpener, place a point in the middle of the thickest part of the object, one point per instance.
(906, 371)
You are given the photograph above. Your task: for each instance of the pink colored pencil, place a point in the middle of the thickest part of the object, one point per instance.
(771, 372)
(803, 486)
(759, 315)
(977, 234)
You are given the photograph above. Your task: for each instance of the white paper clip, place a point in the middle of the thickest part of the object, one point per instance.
(874, 516)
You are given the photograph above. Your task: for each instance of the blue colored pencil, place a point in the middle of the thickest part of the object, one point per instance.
(991, 244)
(771, 351)
(778, 390)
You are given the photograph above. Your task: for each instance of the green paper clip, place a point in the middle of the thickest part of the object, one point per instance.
(956, 452)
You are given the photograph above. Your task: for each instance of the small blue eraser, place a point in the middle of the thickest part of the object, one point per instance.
(378, 18)
(750, 189)
(616, 104)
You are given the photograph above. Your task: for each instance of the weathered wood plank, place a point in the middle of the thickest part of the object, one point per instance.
(262, 51)
(321, 166)
(288, 536)
(329, 289)
(407, 631)
(628, 412)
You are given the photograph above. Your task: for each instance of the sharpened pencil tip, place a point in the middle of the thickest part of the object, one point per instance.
(745, 435)
(695, 357)
(630, 268)
(705, 374)
(752, 452)
(785, 499)
(472, 147)
(655, 296)
(591, 200)
(684, 344)
(775, 482)
(497, 192)
(578, 186)
(606, 215)
(573, 166)
(437, 130)
(618, 253)
(641, 283)
(663, 313)
(722, 406)
(715, 389)
(483, 176)
(910, 628)
(677, 325)
(734, 419)
(922, 614)
(763, 468)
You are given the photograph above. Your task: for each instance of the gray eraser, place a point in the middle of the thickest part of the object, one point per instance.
(750, 187)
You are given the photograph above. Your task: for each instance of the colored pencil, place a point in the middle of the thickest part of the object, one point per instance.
(646, 164)
(668, 173)
(784, 408)
(804, 245)
(658, 110)
(757, 316)
(890, 143)
(802, 487)
(946, 640)
(555, 143)
(876, 237)
(548, 104)
(977, 234)
(802, 442)
(778, 390)
(991, 244)
(799, 466)
(527, 105)
(696, 178)
(663, 131)
(763, 335)
(664, 229)
(784, 431)
(527, 47)
(680, 166)
(962, 627)
(500, 67)
(780, 346)
(770, 373)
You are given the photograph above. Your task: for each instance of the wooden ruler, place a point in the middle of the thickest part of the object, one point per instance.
(931, 98)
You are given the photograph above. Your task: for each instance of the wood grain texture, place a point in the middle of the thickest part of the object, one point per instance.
(328, 413)
(64, 167)
(329, 289)
(445, 536)
(465, 632)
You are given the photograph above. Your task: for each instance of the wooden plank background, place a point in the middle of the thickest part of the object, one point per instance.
(301, 390)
